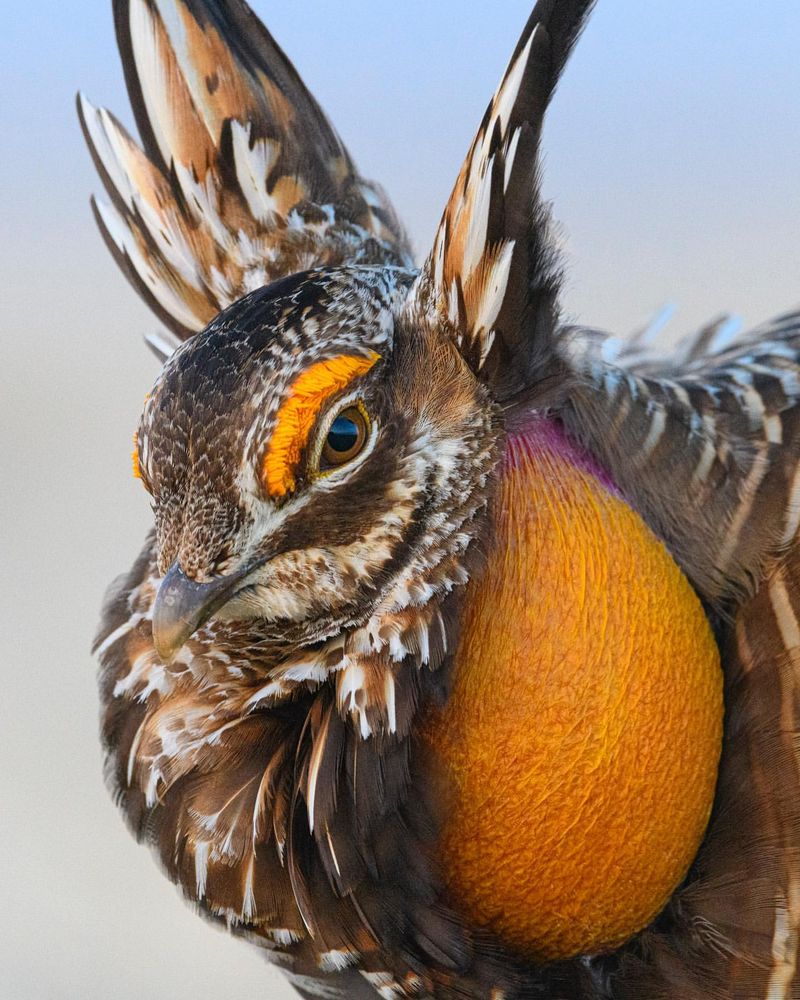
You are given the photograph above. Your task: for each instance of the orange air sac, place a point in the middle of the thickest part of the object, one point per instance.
(580, 746)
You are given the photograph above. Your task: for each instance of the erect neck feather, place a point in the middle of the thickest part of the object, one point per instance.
(544, 436)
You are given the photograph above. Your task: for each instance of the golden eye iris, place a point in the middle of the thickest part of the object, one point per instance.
(345, 439)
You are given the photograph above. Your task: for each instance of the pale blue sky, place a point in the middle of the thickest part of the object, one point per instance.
(673, 156)
(672, 151)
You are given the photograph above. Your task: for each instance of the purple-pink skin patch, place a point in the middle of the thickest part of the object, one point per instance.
(542, 435)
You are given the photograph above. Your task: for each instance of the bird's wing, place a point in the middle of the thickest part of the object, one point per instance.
(705, 444)
(240, 178)
(492, 278)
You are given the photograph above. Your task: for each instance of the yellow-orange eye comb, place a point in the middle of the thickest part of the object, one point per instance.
(308, 394)
(137, 469)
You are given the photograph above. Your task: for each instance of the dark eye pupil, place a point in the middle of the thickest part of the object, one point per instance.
(346, 438)
(343, 435)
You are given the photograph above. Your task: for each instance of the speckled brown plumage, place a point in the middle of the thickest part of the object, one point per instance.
(265, 661)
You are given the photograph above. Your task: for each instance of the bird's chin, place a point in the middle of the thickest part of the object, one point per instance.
(264, 604)
(280, 635)
(281, 617)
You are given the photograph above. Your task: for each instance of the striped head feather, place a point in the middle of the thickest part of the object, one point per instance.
(235, 437)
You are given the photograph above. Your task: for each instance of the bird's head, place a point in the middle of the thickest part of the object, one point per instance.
(312, 456)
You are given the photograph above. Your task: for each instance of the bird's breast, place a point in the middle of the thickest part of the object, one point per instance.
(580, 745)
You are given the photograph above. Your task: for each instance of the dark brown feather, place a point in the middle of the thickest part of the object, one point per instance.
(492, 275)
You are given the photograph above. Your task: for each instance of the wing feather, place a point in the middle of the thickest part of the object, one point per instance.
(705, 446)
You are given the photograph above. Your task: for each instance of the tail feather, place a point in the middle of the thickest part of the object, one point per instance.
(240, 178)
(193, 65)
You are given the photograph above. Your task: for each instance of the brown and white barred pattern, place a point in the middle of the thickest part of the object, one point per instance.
(493, 259)
(241, 180)
(708, 453)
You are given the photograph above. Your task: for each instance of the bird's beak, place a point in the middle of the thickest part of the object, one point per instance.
(182, 607)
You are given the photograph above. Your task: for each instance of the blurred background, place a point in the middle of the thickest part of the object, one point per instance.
(673, 159)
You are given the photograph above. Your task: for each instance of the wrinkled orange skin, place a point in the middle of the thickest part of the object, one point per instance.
(581, 743)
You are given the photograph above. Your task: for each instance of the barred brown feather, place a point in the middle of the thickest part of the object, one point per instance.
(242, 179)
(273, 761)
(732, 932)
(492, 275)
(708, 453)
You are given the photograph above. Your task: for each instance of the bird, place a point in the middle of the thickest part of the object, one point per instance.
(322, 449)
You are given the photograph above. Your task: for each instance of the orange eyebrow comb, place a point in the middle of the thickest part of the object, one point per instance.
(298, 413)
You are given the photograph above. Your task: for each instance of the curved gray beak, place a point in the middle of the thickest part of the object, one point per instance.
(183, 606)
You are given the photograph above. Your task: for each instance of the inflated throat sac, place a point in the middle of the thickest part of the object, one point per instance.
(581, 743)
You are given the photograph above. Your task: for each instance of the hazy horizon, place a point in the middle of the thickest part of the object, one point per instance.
(672, 158)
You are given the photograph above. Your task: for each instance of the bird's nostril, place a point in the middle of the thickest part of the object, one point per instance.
(197, 569)
(197, 556)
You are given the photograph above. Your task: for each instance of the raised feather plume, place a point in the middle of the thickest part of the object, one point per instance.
(240, 179)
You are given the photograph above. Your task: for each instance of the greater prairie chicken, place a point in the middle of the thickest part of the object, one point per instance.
(329, 448)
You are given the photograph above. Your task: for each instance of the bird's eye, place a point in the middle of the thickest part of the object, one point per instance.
(346, 438)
